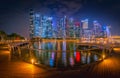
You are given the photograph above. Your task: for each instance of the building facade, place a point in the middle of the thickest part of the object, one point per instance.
(42, 26)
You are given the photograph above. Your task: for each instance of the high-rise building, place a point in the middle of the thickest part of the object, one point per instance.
(37, 26)
(97, 29)
(84, 28)
(62, 27)
(46, 27)
(71, 28)
(85, 24)
(77, 29)
(59, 29)
(106, 31)
(42, 26)
(31, 28)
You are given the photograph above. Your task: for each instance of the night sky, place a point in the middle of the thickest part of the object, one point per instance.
(14, 14)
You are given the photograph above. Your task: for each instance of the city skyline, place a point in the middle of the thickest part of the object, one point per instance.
(14, 15)
(43, 26)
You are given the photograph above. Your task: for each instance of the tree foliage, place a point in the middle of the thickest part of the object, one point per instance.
(4, 36)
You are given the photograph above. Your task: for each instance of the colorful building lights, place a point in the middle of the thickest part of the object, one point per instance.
(42, 26)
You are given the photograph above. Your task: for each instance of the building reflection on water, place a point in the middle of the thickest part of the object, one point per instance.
(62, 54)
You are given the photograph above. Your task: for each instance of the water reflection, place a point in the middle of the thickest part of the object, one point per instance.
(61, 54)
(78, 56)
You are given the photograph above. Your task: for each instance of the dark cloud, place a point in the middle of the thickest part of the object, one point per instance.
(60, 7)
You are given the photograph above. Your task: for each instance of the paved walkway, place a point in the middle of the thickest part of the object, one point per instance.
(109, 68)
(17, 68)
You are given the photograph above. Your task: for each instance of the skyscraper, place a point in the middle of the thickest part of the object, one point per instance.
(77, 29)
(31, 28)
(42, 26)
(71, 28)
(37, 26)
(97, 29)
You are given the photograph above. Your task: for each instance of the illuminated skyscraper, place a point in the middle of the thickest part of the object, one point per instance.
(31, 28)
(50, 27)
(71, 28)
(84, 28)
(62, 28)
(106, 31)
(42, 26)
(77, 29)
(46, 27)
(67, 26)
(85, 24)
(37, 26)
(59, 28)
(97, 29)
(64, 23)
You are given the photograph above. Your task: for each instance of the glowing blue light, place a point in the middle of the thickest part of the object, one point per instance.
(71, 19)
(108, 31)
(51, 62)
(86, 20)
(50, 18)
(95, 21)
(104, 27)
(37, 15)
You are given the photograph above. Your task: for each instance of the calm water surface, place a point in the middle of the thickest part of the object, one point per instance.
(62, 54)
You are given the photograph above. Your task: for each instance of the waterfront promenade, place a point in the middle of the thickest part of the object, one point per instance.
(16, 68)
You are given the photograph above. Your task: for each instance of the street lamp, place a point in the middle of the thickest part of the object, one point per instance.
(32, 61)
(103, 56)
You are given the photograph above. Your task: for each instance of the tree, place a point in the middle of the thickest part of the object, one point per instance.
(15, 36)
(3, 36)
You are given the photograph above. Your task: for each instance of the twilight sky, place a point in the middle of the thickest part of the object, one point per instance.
(14, 14)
